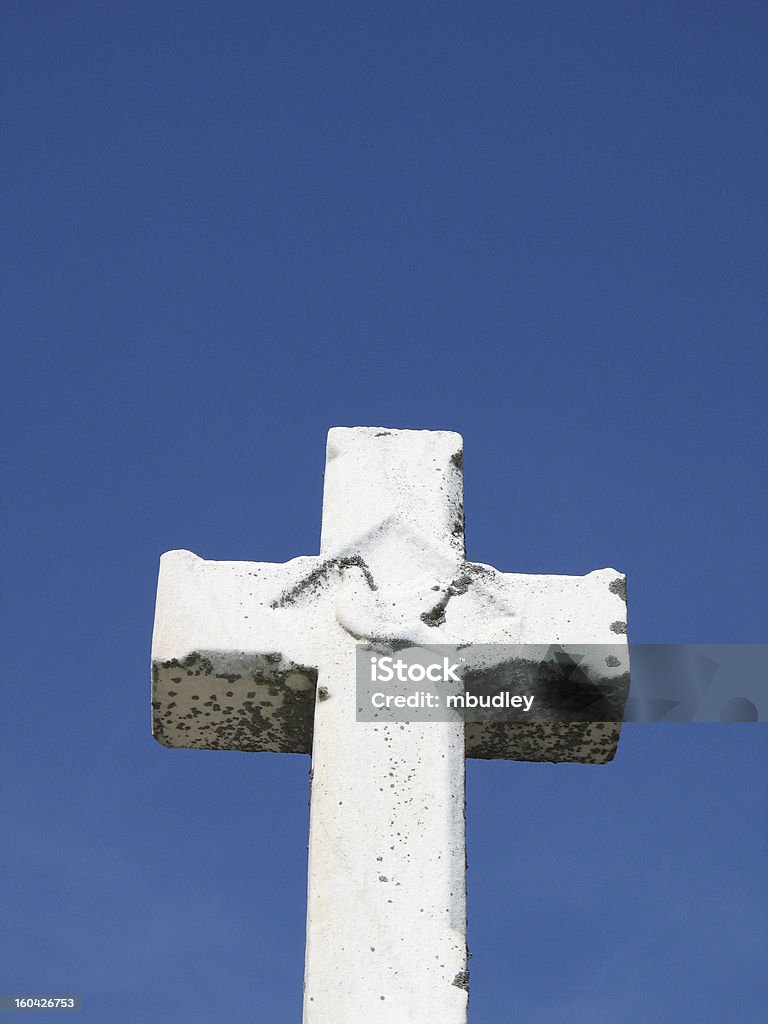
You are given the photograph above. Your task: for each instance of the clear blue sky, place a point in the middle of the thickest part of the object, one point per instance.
(229, 226)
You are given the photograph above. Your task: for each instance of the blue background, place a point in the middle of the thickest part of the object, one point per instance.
(230, 226)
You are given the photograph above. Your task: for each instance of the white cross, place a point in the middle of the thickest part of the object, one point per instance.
(261, 656)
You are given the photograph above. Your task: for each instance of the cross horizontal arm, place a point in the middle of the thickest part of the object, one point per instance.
(237, 646)
(235, 654)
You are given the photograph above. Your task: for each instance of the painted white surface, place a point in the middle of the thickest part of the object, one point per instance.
(386, 916)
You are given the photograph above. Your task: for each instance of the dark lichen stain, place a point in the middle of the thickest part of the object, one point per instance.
(318, 576)
(619, 587)
(231, 677)
(457, 529)
(383, 433)
(462, 980)
(435, 616)
(618, 626)
(457, 459)
(322, 693)
(460, 585)
(612, 661)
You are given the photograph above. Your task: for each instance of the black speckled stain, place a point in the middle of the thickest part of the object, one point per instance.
(460, 585)
(462, 980)
(248, 704)
(318, 576)
(457, 527)
(619, 587)
(556, 743)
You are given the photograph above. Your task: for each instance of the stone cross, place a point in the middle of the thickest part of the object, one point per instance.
(258, 656)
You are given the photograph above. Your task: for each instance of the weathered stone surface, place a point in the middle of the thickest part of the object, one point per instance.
(260, 656)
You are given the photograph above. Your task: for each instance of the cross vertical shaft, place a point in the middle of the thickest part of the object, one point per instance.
(386, 915)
